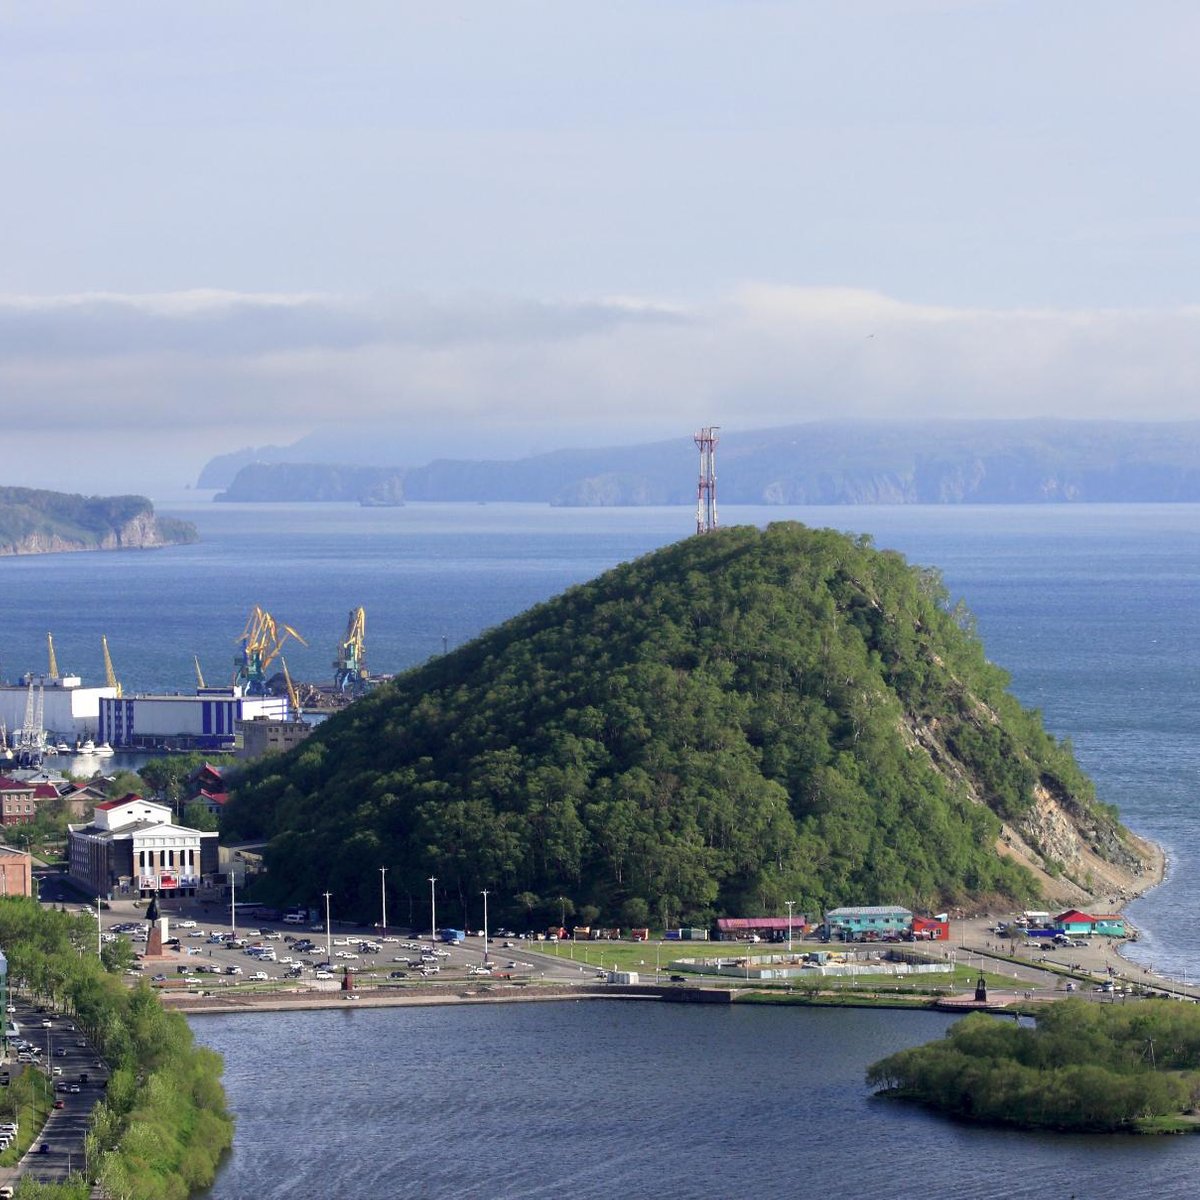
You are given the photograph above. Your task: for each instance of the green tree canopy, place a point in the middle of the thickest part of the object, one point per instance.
(741, 718)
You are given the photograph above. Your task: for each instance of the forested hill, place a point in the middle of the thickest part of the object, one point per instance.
(740, 719)
(33, 521)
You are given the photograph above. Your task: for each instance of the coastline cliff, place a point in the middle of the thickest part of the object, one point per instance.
(33, 521)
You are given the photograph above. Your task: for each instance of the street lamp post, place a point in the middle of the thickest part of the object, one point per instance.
(485, 927)
(432, 909)
(791, 904)
(383, 899)
(232, 899)
(99, 939)
(328, 934)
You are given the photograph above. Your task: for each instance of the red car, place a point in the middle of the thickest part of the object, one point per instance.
(60, 1104)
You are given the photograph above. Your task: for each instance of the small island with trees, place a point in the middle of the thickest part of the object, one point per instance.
(1085, 1067)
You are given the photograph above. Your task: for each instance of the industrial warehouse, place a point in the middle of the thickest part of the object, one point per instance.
(53, 713)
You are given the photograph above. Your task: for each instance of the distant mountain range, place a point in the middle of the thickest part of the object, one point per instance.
(39, 522)
(920, 462)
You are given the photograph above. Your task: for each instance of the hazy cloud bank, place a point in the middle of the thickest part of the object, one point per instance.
(190, 374)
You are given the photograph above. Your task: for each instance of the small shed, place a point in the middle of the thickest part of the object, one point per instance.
(930, 929)
(1110, 925)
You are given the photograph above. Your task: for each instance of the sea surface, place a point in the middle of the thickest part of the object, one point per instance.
(1092, 609)
(595, 1100)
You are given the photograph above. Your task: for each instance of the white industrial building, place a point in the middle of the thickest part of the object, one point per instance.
(206, 720)
(68, 709)
(131, 848)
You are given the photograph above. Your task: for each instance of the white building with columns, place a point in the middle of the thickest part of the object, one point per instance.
(132, 848)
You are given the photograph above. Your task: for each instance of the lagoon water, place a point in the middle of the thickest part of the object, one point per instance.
(1091, 608)
(595, 1100)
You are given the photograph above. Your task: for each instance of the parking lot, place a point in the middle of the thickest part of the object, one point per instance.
(208, 953)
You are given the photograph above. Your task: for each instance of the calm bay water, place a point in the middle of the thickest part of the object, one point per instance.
(600, 1099)
(1092, 610)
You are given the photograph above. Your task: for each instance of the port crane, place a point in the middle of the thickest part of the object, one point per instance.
(293, 696)
(260, 642)
(53, 674)
(199, 673)
(350, 669)
(110, 676)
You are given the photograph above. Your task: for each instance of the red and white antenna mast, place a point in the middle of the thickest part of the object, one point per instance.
(706, 489)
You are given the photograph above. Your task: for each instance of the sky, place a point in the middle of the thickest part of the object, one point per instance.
(506, 226)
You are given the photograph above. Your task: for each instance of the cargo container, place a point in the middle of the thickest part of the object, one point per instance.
(625, 977)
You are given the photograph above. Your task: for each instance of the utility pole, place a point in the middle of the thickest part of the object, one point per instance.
(383, 898)
(432, 909)
(791, 904)
(485, 927)
(328, 934)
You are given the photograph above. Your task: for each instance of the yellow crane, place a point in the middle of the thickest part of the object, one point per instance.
(53, 659)
(199, 673)
(110, 676)
(293, 696)
(261, 641)
(350, 669)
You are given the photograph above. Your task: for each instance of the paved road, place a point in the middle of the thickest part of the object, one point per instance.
(65, 1050)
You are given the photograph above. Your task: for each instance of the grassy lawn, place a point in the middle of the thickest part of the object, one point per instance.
(641, 957)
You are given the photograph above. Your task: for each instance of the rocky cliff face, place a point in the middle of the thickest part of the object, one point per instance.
(1074, 852)
(38, 522)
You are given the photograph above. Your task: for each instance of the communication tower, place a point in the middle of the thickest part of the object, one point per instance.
(706, 489)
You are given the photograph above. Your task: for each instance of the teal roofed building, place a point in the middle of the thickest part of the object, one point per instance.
(866, 923)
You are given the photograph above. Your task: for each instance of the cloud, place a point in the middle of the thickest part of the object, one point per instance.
(209, 371)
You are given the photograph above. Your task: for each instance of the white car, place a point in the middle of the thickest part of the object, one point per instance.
(233, 970)
(185, 924)
(260, 975)
(323, 975)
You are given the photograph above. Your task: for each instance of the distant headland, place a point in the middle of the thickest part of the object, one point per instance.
(33, 521)
(821, 462)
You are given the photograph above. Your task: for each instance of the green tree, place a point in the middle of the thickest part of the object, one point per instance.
(197, 815)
